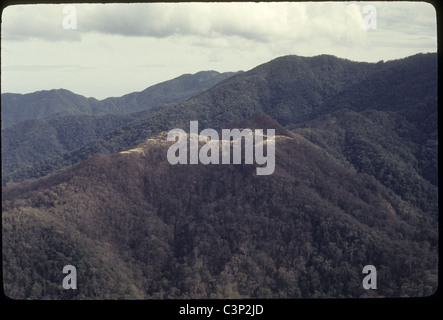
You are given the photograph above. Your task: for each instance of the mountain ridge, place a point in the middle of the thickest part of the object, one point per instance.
(140, 228)
(46, 103)
(270, 88)
(81, 120)
(354, 185)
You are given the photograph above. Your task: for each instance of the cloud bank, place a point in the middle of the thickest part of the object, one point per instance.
(147, 43)
(260, 22)
(213, 24)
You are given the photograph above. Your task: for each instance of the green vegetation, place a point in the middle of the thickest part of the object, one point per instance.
(139, 226)
(60, 121)
(355, 183)
(383, 145)
(291, 90)
(32, 141)
(50, 103)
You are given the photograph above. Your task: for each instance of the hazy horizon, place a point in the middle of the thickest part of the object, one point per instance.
(116, 49)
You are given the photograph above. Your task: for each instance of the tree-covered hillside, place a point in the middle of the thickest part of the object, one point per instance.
(291, 90)
(49, 103)
(355, 184)
(59, 121)
(136, 226)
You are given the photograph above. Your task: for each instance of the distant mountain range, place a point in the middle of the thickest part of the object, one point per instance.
(50, 103)
(355, 184)
(44, 124)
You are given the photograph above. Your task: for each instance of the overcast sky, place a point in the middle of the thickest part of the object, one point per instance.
(114, 49)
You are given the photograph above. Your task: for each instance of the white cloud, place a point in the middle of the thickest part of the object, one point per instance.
(23, 22)
(338, 24)
(260, 22)
(119, 48)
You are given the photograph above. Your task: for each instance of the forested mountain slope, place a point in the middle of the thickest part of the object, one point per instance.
(60, 121)
(355, 184)
(293, 90)
(32, 141)
(136, 226)
(48, 103)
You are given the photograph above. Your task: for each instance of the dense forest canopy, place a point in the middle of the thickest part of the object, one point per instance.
(355, 184)
(46, 124)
